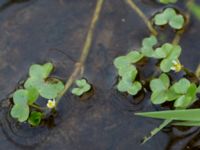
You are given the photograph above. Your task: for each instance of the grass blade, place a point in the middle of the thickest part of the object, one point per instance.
(181, 115)
(187, 123)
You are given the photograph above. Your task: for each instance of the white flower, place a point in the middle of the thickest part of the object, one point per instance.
(51, 103)
(176, 66)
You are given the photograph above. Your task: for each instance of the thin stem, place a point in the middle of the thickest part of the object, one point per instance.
(156, 130)
(142, 15)
(176, 39)
(79, 66)
(37, 107)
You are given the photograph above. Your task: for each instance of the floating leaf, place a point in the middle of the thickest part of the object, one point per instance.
(169, 16)
(40, 71)
(187, 98)
(147, 46)
(46, 89)
(83, 87)
(181, 86)
(35, 118)
(124, 61)
(20, 97)
(160, 84)
(33, 95)
(20, 112)
(127, 83)
(51, 90)
(170, 53)
(160, 89)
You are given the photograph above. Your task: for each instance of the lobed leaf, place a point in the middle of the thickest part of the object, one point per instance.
(83, 86)
(169, 16)
(147, 46)
(20, 112)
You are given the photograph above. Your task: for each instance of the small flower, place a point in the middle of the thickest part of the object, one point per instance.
(51, 103)
(176, 66)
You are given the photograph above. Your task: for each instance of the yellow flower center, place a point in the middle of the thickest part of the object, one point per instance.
(51, 103)
(176, 66)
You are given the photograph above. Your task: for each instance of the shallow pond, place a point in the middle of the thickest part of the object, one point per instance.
(36, 31)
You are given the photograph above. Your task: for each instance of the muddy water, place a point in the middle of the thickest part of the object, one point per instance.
(36, 31)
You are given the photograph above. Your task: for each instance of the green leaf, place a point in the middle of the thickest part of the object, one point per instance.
(188, 94)
(40, 71)
(177, 22)
(50, 90)
(128, 71)
(171, 95)
(134, 56)
(20, 97)
(20, 112)
(158, 97)
(124, 61)
(147, 46)
(163, 51)
(168, 1)
(198, 89)
(169, 16)
(83, 87)
(33, 82)
(172, 52)
(162, 83)
(181, 115)
(194, 8)
(45, 89)
(181, 86)
(33, 95)
(182, 102)
(135, 88)
(35, 118)
(160, 89)
(123, 85)
(187, 123)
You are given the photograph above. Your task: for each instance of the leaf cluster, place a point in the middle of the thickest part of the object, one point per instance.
(169, 16)
(36, 85)
(182, 93)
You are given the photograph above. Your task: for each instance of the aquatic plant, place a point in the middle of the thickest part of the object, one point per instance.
(83, 87)
(41, 86)
(38, 84)
(182, 93)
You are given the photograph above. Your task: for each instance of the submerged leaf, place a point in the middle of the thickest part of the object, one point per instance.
(35, 118)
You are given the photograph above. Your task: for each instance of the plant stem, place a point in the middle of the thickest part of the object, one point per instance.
(176, 39)
(37, 107)
(156, 130)
(142, 15)
(79, 66)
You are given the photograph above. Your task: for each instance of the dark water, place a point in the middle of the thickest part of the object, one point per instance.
(36, 31)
